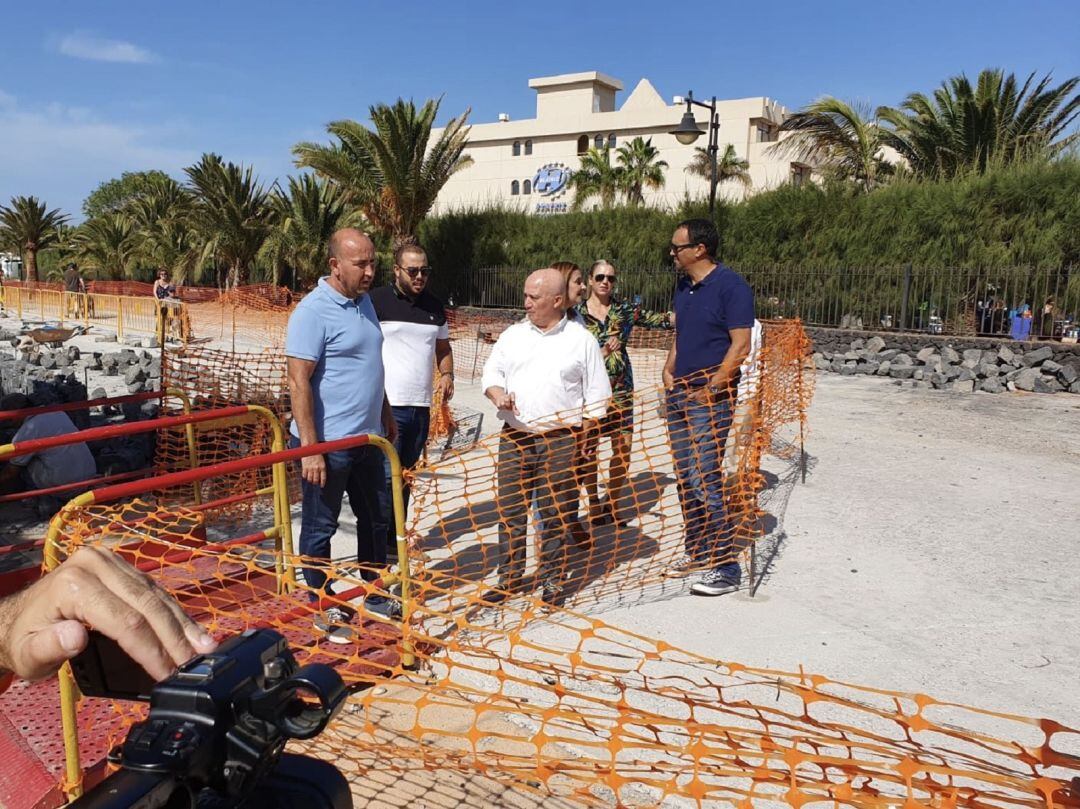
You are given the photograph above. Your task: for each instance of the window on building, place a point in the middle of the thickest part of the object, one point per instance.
(611, 141)
(800, 174)
(766, 133)
(583, 144)
(515, 188)
(517, 148)
(528, 147)
(526, 187)
(598, 141)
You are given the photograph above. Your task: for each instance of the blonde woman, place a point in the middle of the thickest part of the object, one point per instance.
(611, 320)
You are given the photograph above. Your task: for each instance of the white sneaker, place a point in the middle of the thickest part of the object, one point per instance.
(334, 623)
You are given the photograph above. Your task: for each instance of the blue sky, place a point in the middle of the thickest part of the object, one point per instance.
(88, 90)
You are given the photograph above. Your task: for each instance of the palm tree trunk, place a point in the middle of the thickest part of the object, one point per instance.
(31, 264)
(233, 281)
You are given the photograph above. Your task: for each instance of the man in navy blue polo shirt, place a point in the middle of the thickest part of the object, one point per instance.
(333, 348)
(714, 315)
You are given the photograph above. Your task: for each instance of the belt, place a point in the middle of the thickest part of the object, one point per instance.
(515, 434)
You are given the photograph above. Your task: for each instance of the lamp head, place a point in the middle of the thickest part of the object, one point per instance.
(688, 130)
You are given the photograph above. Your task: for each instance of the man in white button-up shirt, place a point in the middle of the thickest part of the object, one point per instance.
(545, 374)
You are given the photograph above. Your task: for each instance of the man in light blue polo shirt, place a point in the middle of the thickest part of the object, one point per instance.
(334, 351)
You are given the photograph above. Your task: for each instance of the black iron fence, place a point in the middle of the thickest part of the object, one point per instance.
(1018, 300)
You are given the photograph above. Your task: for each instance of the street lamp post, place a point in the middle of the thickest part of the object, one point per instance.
(688, 131)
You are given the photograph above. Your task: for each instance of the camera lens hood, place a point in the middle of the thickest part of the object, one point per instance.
(317, 694)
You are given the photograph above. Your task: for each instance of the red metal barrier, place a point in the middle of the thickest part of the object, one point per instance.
(118, 430)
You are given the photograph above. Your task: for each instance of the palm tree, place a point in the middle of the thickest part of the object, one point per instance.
(306, 219)
(232, 215)
(596, 177)
(164, 237)
(104, 245)
(28, 227)
(729, 166)
(966, 128)
(640, 169)
(391, 173)
(844, 139)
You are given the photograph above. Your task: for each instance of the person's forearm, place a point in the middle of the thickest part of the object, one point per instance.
(669, 363)
(303, 410)
(387, 410)
(445, 360)
(731, 363)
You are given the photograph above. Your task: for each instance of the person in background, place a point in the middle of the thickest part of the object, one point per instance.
(714, 311)
(746, 402)
(333, 350)
(574, 295)
(545, 375)
(611, 320)
(165, 293)
(59, 466)
(416, 339)
(75, 287)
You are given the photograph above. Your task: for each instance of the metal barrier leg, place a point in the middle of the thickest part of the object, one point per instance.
(408, 658)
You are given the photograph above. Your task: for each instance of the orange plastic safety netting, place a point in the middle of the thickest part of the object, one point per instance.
(520, 695)
(213, 379)
(523, 704)
(249, 318)
(613, 512)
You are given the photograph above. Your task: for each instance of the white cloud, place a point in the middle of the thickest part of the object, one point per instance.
(81, 45)
(60, 153)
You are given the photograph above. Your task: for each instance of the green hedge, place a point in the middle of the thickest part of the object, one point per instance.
(1022, 216)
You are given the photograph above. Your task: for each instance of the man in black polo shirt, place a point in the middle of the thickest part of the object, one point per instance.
(714, 316)
(415, 337)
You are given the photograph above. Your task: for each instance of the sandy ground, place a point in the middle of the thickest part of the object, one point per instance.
(932, 549)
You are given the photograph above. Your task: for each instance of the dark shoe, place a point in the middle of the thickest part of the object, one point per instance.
(683, 565)
(491, 596)
(578, 534)
(601, 515)
(553, 594)
(383, 607)
(718, 581)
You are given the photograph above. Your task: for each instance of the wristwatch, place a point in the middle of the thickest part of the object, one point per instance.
(715, 390)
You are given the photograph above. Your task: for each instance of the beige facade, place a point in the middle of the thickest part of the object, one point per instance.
(521, 163)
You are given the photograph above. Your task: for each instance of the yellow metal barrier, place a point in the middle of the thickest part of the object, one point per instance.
(120, 314)
(285, 570)
(281, 532)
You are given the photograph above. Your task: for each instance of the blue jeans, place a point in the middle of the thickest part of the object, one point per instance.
(413, 425)
(358, 472)
(698, 433)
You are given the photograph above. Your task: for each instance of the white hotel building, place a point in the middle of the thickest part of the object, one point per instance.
(526, 163)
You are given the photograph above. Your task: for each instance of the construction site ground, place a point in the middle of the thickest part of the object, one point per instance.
(928, 551)
(931, 549)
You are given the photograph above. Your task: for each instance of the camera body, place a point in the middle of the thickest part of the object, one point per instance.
(217, 727)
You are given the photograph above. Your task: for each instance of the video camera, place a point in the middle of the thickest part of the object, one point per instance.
(217, 728)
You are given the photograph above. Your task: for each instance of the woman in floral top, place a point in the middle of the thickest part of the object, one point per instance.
(611, 321)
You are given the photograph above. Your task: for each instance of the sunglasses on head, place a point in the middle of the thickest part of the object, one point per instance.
(415, 271)
(600, 278)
